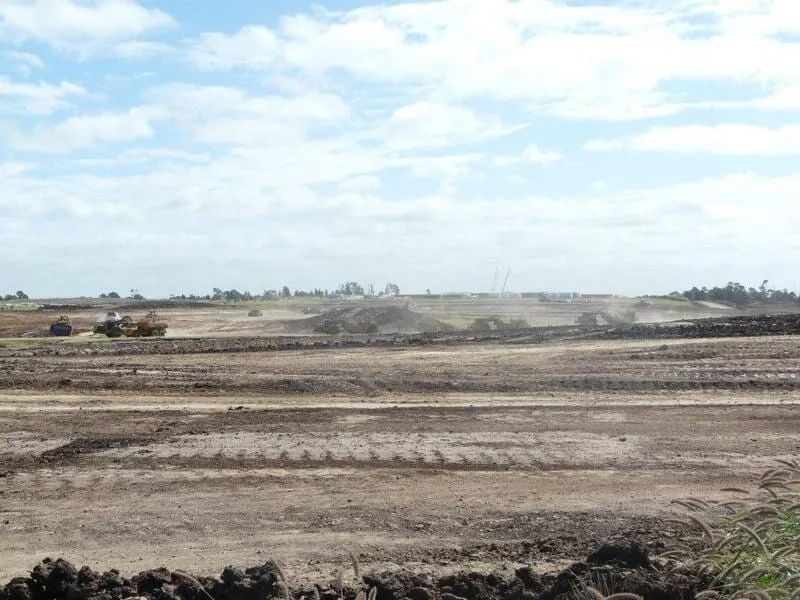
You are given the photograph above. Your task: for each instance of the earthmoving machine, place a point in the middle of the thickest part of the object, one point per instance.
(591, 320)
(114, 326)
(62, 327)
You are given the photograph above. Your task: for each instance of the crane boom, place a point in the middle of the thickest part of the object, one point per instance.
(505, 281)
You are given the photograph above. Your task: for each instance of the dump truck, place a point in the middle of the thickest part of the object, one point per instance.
(62, 327)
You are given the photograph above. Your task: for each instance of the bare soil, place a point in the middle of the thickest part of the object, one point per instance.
(436, 453)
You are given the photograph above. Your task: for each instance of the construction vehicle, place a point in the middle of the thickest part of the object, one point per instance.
(114, 326)
(62, 327)
(604, 318)
(107, 323)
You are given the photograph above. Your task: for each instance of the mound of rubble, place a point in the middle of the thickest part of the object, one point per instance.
(739, 326)
(367, 319)
(614, 568)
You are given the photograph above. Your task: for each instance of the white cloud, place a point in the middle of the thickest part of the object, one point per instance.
(443, 168)
(364, 183)
(629, 230)
(731, 139)
(59, 22)
(160, 157)
(535, 154)
(390, 135)
(90, 130)
(599, 62)
(86, 28)
(24, 62)
(35, 98)
(784, 98)
(230, 116)
(205, 101)
(433, 124)
(14, 169)
(251, 46)
(141, 50)
(604, 145)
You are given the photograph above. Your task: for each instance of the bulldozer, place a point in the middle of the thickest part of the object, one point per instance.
(62, 327)
(114, 326)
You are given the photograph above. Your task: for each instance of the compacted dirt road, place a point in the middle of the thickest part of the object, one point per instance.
(434, 458)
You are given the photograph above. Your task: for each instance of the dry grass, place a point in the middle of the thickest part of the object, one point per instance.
(750, 546)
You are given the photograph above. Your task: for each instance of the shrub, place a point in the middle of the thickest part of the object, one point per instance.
(753, 551)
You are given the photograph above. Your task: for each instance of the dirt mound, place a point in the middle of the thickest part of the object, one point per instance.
(66, 306)
(60, 580)
(367, 319)
(744, 326)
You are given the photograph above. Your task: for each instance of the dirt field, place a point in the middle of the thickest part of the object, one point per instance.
(190, 319)
(449, 456)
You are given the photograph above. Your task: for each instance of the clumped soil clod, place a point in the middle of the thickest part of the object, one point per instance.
(611, 569)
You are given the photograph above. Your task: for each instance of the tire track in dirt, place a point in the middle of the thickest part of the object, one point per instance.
(154, 466)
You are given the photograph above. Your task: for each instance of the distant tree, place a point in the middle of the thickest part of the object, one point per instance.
(428, 292)
(286, 292)
(137, 296)
(21, 295)
(350, 288)
(392, 289)
(113, 295)
(735, 293)
(371, 291)
(235, 295)
(104, 295)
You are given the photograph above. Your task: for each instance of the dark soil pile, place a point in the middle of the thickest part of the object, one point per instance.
(756, 325)
(367, 319)
(66, 307)
(611, 569)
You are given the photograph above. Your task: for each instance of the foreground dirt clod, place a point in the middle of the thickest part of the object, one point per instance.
(613, 568)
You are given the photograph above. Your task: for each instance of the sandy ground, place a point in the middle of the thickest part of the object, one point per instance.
(482, 456)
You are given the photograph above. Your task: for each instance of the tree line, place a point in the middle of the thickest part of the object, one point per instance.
(134, 295)
(736, 293)
(346, 289)
(19, 295)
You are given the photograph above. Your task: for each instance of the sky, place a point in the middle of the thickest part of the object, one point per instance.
(173, 146)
